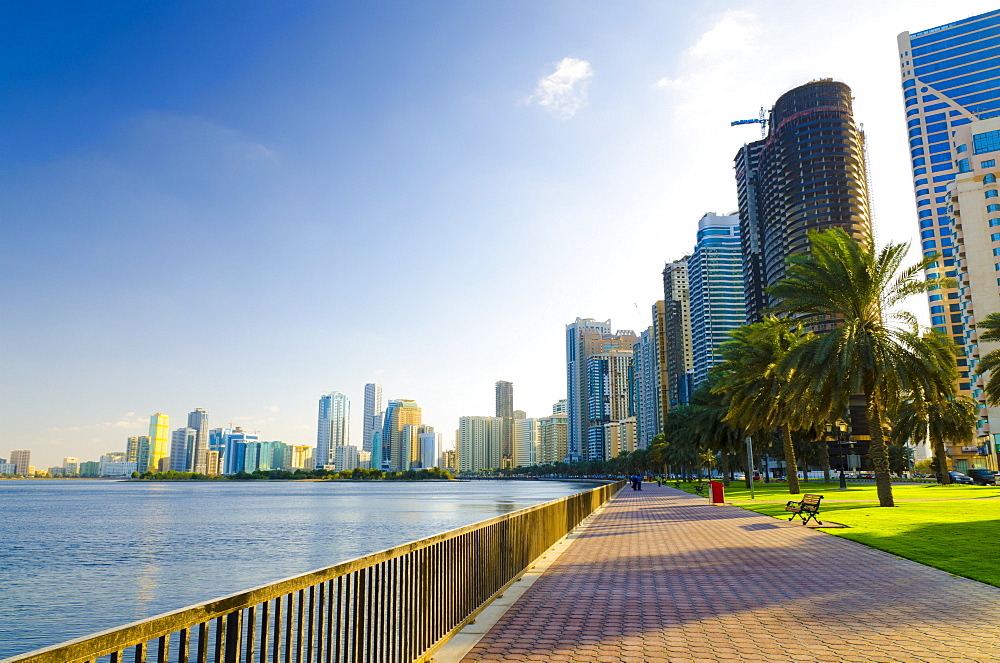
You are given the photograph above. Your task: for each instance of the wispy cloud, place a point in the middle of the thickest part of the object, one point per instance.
(564, 91)
(735, 31)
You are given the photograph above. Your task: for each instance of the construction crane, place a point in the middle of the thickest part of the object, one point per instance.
(762, 121)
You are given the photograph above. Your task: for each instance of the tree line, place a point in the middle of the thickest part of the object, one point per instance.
(357, 474)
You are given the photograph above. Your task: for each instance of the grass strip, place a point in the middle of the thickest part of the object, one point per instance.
(954, 528)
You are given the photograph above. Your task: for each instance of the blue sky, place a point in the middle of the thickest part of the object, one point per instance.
(241, 206)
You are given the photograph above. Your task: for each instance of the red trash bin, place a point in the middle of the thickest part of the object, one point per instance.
(717, 493)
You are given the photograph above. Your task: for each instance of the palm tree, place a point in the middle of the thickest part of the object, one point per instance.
(989, 330)
(682, 440)
(948, 417)
(756, 384)
(714, 433)
(858, 287)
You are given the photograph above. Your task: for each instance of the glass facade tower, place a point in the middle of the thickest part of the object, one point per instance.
(715, 283)
(950, 76)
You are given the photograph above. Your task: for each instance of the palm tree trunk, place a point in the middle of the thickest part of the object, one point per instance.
(791, 466)
(879, 452)
(941, 456)
(724, 462)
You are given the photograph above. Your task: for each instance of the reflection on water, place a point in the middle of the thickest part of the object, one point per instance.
(81, 556)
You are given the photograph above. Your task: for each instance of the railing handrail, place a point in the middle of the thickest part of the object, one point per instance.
(103, 643)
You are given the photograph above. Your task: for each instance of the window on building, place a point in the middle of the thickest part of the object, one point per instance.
(961, 148)
(937, 320)
(962, 165)
(993, 207)
(995, 237)
(986, 142)
(937, 309)
(989, 163)
(994, 222)
(991, 193)
(990, 178)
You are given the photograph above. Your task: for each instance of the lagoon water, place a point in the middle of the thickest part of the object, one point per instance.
(81, 556)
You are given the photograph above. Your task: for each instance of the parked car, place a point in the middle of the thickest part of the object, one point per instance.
(983, 477)
(958, 477)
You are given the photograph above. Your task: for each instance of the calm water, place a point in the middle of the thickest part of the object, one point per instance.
(81, 556)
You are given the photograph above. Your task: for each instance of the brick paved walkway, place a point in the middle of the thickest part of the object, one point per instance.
(660, 575)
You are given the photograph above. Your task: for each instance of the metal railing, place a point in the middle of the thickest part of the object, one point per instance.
(395, 606)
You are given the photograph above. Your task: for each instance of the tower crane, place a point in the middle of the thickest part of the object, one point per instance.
(762, 121)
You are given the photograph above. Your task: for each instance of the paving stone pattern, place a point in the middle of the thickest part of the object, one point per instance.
(660, 575)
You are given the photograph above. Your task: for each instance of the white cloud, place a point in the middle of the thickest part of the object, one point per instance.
(564, 91)
(735, 31)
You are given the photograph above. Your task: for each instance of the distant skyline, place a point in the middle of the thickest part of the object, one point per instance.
(242, 209)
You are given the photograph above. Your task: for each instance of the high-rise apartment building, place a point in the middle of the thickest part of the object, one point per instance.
(807, 174)
(608, 390)
(598, 363)
(449, 460)
(715, 284)
(527, 438)
(397, 444)
(159, 436)
(976, 224)
(479, 441)
(646, 402)
(951, 93)
(372, 414)
(621, 436)
(505, 410)
(333, 427)
(553, 438)
(672, 330)
(21, 460)
(580, 335)
(198, 459)
(183, 442)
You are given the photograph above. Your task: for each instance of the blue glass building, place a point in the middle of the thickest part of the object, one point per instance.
(715, 282)
(950, 77)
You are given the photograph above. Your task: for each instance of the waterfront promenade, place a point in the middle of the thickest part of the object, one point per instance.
(660, 575)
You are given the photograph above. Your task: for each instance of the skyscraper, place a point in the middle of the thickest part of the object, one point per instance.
(976, 224)
(951, 93)
(397, 444)
(372, 414)
(505, 410)
(553, 436)
(579, 335)
(526, 442)
(332, 427)
(608, 393)
(672, 330)
(21, 460)
(159, 435)
(479, 443)
(198, 461)
(183, 442)
(645, 387)
(807, 174)
(715, 283)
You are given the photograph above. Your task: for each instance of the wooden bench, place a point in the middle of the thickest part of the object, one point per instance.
(805, 509)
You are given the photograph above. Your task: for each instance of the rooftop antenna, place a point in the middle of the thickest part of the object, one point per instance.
(762, 121)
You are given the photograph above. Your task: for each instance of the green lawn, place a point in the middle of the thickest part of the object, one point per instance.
(957, 531)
